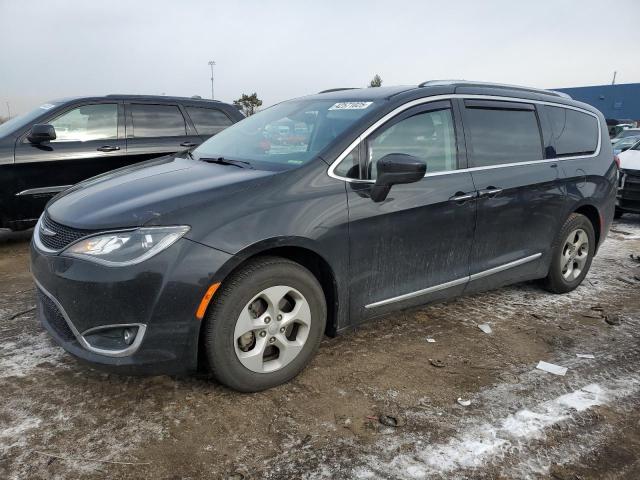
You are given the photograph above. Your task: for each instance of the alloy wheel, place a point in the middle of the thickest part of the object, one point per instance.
(575, 253)
(272, 329)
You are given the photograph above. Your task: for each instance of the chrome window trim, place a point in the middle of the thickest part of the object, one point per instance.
(41, 190)
(142, 328)
(453, 283)
(436, 98)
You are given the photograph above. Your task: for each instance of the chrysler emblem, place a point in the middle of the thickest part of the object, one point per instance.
(47, 232)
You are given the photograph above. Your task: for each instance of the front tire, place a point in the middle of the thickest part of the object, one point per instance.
(572, 254)
(264, 325)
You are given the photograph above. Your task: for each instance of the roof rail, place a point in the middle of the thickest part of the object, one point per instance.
(469, 83)
(338, 89)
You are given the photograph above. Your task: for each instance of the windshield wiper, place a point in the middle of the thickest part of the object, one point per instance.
(227, 161)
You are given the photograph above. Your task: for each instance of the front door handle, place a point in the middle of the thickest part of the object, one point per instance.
(461, 197)
(189, 144)
(489, 192)
(108, 148)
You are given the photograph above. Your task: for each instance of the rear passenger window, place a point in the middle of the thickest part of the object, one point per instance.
(157, 121)
(573, 133)
(429, 136)
(208, 121)
(499, 135)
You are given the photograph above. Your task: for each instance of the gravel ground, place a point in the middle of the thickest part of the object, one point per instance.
(61, 419)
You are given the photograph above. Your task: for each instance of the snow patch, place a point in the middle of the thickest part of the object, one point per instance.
(483, 442)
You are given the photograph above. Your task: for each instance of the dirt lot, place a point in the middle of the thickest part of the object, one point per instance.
(60, 419)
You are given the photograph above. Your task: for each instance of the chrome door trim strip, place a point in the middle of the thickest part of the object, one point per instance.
(436, 98)
(506, 266)
(454, 283)
(43, 190)
(424, 291)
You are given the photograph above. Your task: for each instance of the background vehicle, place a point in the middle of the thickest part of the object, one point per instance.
(625, 144)
(628, 132)
(63, 142)
(628, 199)
(243, 253)
(617, 127)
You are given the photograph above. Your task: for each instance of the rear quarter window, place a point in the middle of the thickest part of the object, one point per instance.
(208, 121)
(572, 132)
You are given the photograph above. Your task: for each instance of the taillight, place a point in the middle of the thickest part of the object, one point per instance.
(616, 159)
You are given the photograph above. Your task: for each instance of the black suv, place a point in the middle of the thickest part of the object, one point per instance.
(63, 142)
(317, 214)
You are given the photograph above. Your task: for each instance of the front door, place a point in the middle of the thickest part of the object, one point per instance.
(520, 193)
(414, 246)
(89, 141)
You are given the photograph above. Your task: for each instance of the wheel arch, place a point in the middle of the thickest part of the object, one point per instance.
(299, 250)
(594, 216)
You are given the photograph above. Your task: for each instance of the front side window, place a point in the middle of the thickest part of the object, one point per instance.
(157, 121)
(208, 121)
(574, 133)
(286, 135)
(429, 136)
(87, 123)
(501, 136)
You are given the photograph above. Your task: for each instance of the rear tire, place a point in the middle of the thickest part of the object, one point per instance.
(264, 325)
(572, 253)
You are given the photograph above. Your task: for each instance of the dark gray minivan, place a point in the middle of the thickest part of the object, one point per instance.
(317, 214)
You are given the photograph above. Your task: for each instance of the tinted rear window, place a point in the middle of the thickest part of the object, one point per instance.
(501, 136)
(157, 121)
(573, 132)
(208, 121)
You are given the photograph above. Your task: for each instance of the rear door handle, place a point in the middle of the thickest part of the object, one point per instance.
(489, 192)
(461, 197)
(189, 144)
(108, 148)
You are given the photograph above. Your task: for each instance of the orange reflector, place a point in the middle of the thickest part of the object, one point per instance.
(204, 303)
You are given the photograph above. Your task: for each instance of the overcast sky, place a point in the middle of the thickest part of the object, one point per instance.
(283, 49)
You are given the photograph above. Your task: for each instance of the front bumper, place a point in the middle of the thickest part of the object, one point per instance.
(158, 297)
(628, 198)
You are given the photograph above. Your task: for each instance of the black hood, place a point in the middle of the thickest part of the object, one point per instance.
(149, 192)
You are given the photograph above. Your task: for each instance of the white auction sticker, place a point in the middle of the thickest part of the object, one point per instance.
(350, 105)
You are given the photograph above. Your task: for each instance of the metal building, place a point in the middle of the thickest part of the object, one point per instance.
(620, 101)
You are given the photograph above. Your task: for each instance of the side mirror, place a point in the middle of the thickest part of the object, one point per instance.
(41, 132)
(396, 168)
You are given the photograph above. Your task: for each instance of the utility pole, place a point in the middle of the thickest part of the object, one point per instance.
(613, 82)
(9, 110)
(211, 64)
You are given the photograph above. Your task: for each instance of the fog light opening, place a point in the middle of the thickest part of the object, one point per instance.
(129, 335)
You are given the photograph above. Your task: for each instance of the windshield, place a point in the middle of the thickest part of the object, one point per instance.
(20, 121)
(288, 134)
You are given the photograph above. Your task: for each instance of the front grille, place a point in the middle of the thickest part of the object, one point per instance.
(629, 194)
(63, 235)
(53, 316)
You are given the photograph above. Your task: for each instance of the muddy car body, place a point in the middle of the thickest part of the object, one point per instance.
(242, 255)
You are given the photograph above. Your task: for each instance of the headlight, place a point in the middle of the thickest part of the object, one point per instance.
(117, 249)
